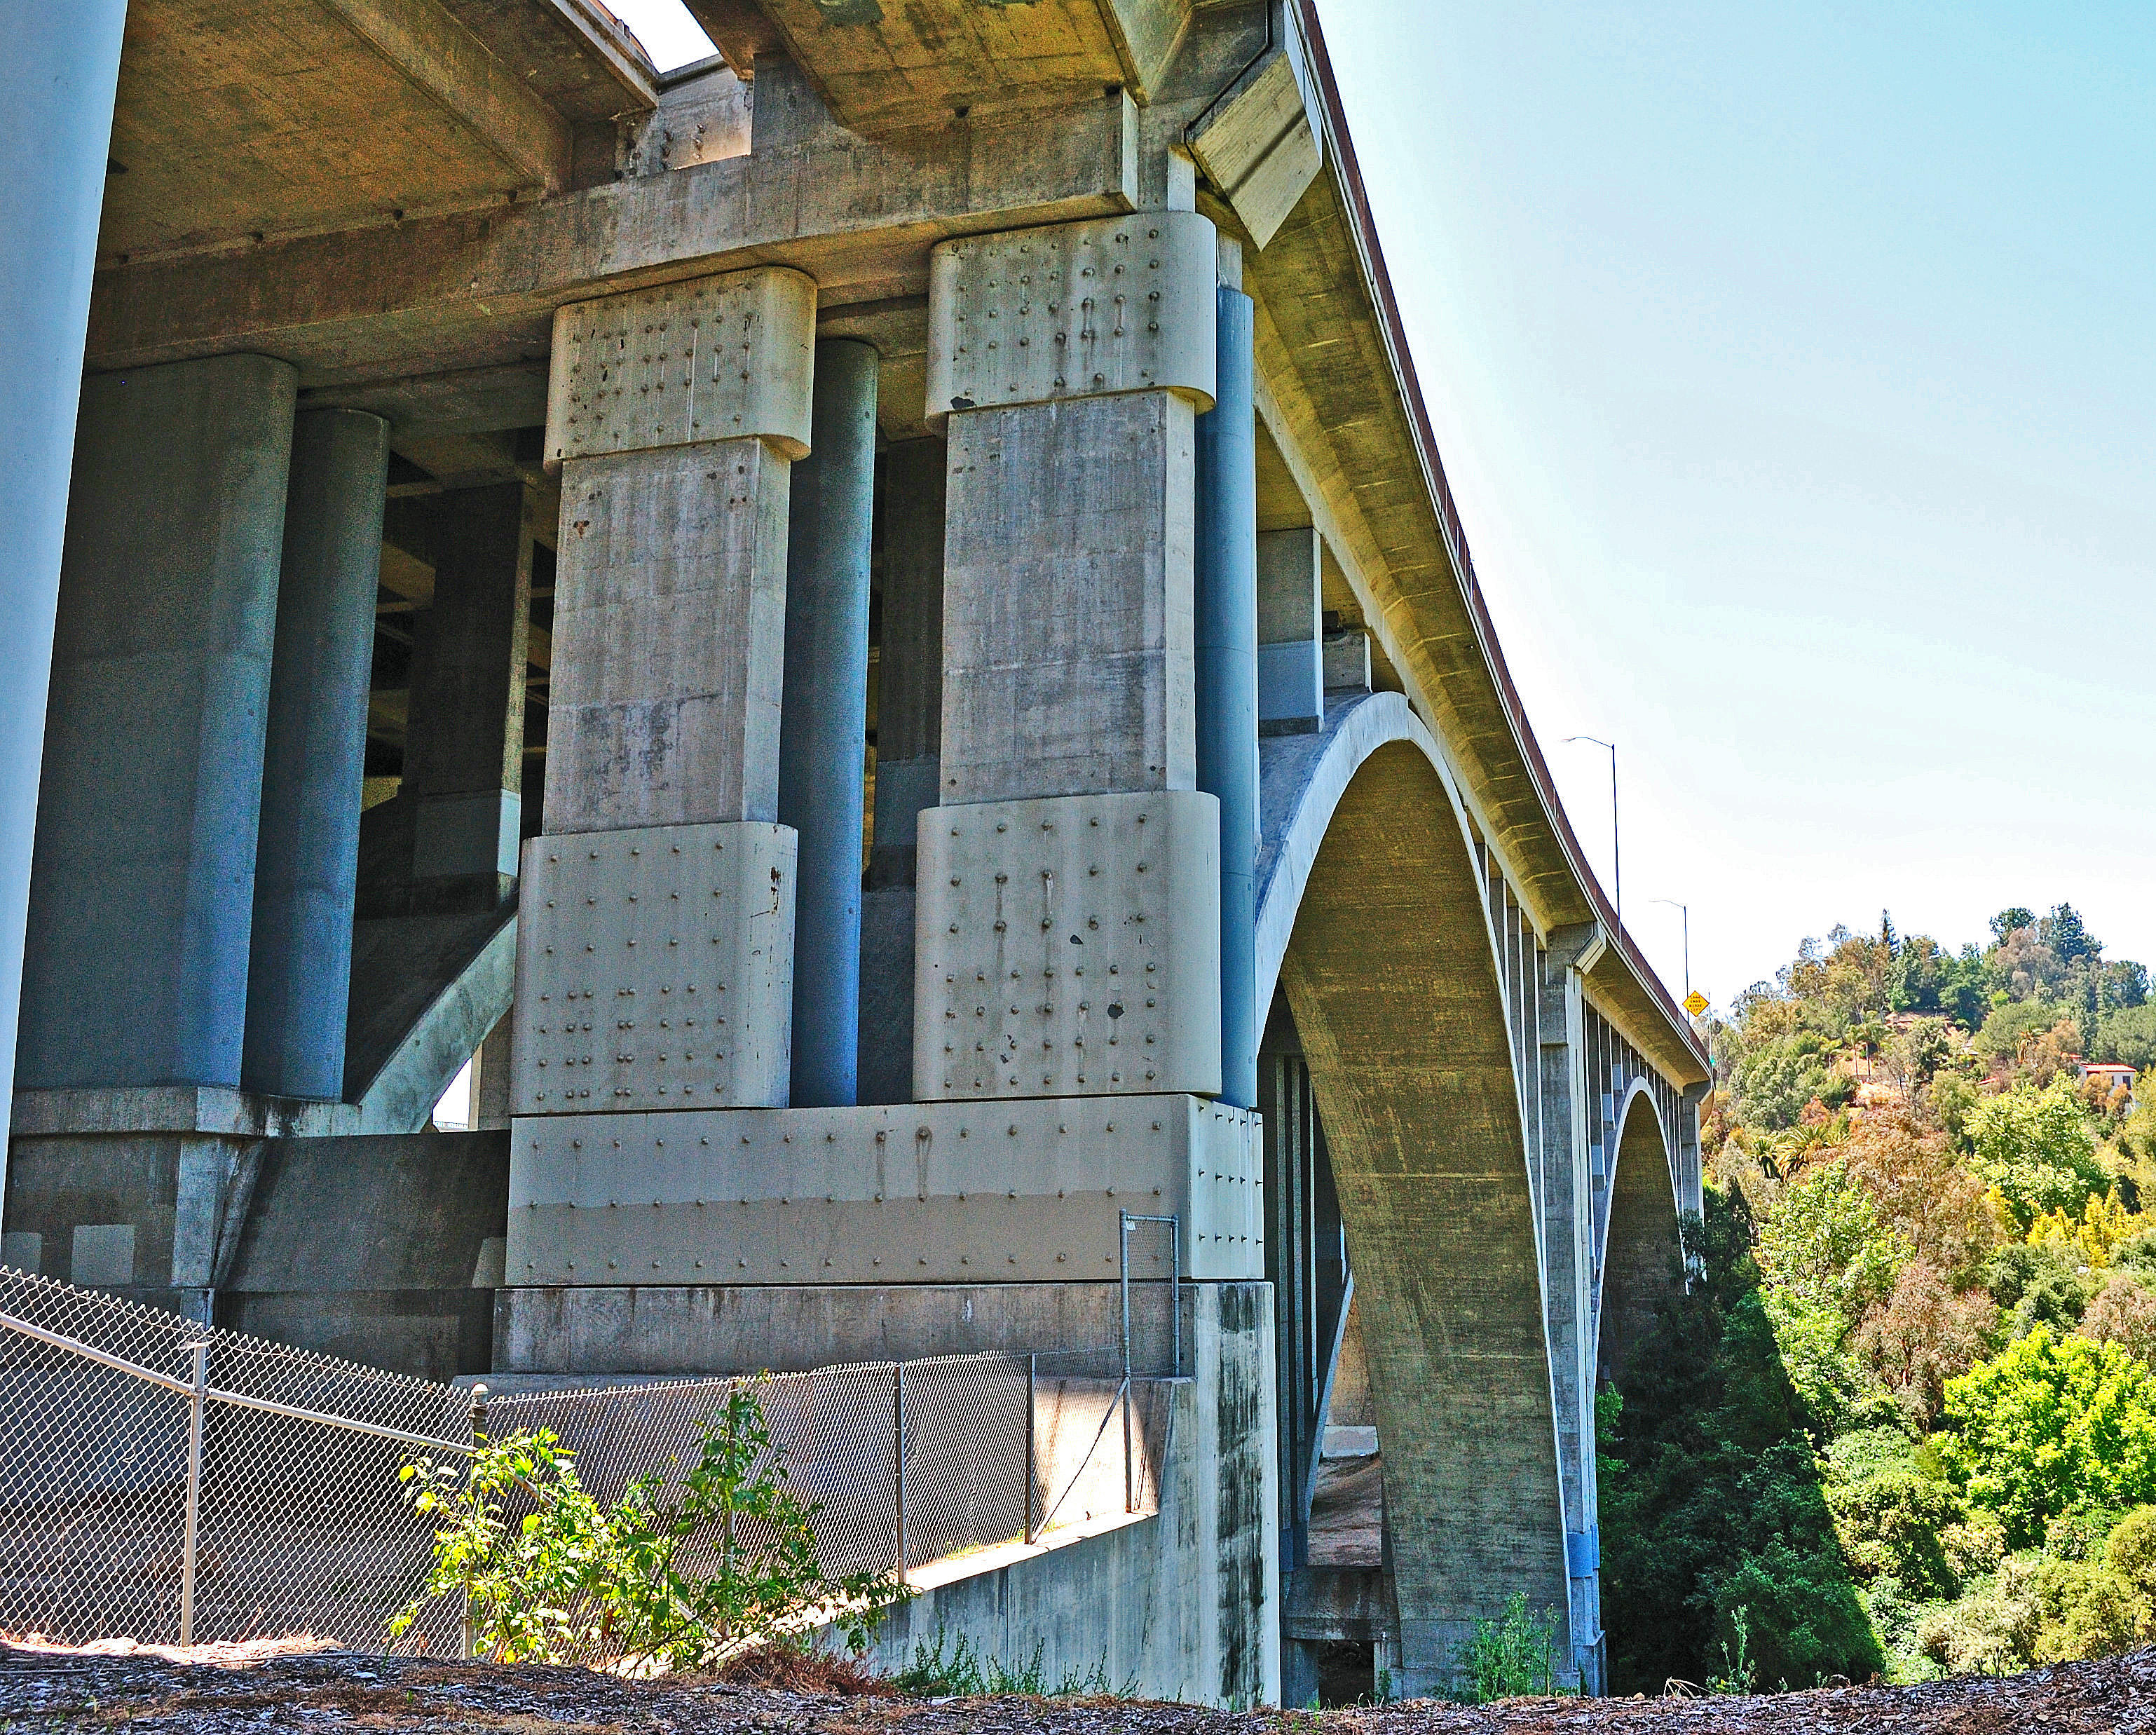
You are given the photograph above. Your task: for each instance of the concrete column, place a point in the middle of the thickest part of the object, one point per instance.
(299, 977)
(142, 898)
(1226, 589)
(56, 88)
(1291, 680)
(1069, 363)
(656, 914)
(909, 725)
(1566, 1093)
(822, 736)
(463, 752)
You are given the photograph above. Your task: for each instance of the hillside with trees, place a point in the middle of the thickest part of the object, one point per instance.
(1904, 1422)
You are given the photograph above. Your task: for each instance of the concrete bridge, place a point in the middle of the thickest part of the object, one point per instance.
(873, 630)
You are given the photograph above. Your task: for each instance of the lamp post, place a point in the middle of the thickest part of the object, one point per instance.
(1685, 910)
(1616, 857)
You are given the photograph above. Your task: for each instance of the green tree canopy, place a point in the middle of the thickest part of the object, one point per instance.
(2053, 1425)
(2037, 1148)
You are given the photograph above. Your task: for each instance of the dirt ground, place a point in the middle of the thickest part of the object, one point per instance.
(214, 1690)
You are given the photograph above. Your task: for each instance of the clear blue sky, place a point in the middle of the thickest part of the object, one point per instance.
(1795, 369)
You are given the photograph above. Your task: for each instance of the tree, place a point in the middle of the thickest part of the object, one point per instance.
(2122, 984)
(2052, 1426)
(2036, 1147)
(2128, 1037)
(2013, 917)
(2063, 932)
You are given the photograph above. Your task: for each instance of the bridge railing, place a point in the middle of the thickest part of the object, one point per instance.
(170, 1482)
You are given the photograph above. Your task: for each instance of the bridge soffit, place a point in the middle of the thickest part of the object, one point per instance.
(1289, 418)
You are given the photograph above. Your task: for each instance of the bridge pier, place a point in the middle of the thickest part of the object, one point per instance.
(752, 1111)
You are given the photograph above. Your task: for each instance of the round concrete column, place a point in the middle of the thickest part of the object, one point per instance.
(824, 719)
(56, 86)
(1227, 647)
(306, 861)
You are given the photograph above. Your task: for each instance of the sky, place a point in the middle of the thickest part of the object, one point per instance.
(1796, 372)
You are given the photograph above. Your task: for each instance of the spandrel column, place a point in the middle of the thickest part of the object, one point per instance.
(1067, 924)
(655, 940)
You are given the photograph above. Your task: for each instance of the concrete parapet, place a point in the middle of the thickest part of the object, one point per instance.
(926, 1194)
(655, 968)
(1067, 946)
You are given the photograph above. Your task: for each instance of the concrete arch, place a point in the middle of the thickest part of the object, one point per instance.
(1642, 1253)
(1372, 918)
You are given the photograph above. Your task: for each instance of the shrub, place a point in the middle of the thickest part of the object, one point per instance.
(1890, 1518)
(573, 1581)
(1513, 1656)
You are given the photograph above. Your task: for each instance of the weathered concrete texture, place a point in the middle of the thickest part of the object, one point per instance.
(56, 94)
(654, 968)
(307, 856)
(824, 731)
(143, 1190)
(1069, 946)
(1015, 1192)
(717, 1328)
(464, 753)
(407, 1281)
(1642, 1260)
(669, 627)
(1077, 310)
(143, 893)
(1187, 1602)
(1413, 1075)
(1067, 628)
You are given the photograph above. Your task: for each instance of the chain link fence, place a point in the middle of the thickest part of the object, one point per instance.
(167, 1481)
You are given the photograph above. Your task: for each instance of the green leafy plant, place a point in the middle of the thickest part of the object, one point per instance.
(1739, 1674)
(1513, 1656)
(968, 1674)
(683, 1573)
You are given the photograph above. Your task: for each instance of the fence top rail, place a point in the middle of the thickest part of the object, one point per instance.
(151, 1376)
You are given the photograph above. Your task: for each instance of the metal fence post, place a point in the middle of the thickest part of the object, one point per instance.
(1032, 1364)
(1175, 1286)
(198, 1403)
(1124, 1278)
(898, 1441)
(476, 1416)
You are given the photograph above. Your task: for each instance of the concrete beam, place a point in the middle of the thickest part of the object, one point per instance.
(476, 288)
(449, 64)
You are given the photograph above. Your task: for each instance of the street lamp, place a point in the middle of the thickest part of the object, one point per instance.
(1685, 910)
(1616, 859)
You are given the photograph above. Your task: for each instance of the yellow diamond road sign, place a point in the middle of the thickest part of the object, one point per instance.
(1695, 1002)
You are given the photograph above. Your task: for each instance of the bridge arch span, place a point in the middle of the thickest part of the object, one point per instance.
(1642, 1250)
(1373, 918)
